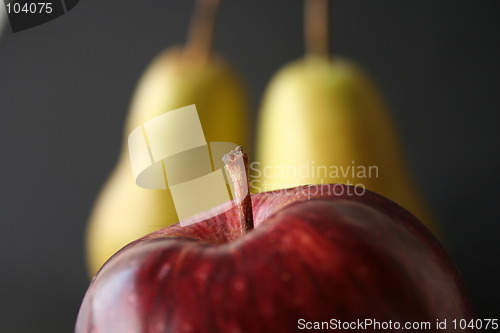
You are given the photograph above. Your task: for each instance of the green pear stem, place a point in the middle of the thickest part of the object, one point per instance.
(316, 27)
(236, 162)
(201, 29)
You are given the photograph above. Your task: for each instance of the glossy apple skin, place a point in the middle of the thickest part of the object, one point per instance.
(313, 255)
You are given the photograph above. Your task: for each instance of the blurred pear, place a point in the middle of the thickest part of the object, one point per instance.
(176, 78)
(323, 120)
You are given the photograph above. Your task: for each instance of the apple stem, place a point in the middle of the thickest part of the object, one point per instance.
(201, 29)
(316, 27)
(236, 162)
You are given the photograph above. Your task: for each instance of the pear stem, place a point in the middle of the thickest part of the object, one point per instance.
(201, 29)
(236, 162)
(316, 27)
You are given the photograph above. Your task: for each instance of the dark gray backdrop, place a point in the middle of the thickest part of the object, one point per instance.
(65, 87)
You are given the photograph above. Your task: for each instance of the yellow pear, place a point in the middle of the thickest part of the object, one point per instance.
(323, 121)
(177, 77)
(123, 211)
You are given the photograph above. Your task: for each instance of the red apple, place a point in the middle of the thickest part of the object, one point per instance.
(318, 255)
(328, 257)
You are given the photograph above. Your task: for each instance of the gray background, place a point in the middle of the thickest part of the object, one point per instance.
(65, 88)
